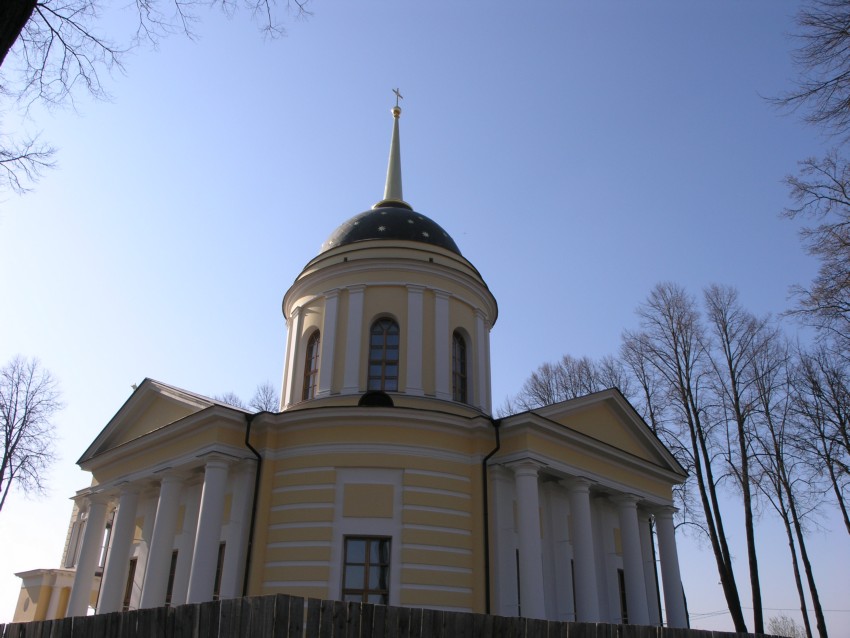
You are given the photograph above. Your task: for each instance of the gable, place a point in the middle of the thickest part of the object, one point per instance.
(600, 422)
(152, 406)
(160, 412)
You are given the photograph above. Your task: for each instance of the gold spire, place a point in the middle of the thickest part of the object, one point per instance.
(392, 191)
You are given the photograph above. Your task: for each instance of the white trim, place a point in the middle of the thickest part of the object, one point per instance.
(413, 354)
(353, 340)
(327, 343)
(442, 341)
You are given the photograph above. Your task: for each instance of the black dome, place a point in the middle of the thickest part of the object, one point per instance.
(391, 222)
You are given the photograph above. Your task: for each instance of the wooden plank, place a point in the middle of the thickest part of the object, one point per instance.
(296, 617)
(463, 625)
(280, 626)
(352, 620)
(185, 621)
(391, 622)
(339, 618)
(314, 618)
(209, 619)
(415, 630)
(326, 620)
(431, 620)
(379, 622)
(536, 628)
(367, 619)
(402, 622)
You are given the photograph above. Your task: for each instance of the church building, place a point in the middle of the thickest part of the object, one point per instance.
(384, 477)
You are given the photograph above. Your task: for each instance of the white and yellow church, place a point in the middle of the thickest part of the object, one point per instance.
(384, 477)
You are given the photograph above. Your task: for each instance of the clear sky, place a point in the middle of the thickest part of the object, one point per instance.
(578, 153)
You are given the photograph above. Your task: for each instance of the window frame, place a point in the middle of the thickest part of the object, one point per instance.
(383, 329)
(460, 368)
(365, 593)
(310, 378)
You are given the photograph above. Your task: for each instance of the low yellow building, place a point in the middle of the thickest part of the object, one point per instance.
(384, 477)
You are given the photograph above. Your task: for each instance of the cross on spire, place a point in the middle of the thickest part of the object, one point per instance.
(398, 96)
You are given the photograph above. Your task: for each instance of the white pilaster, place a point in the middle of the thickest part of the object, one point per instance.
(233, 570)
(118, 558)
(415, 321)
(81, 591)
(532, 603)
(503, 542)
(442, 338)
(353, 339)
(632, 559)
(327, 343)
(674, 597)
(208, 536)
(586, 588)
(295, 323)
(481, 372)
(162, 542)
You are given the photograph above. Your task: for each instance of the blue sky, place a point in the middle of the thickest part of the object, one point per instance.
(578, 153)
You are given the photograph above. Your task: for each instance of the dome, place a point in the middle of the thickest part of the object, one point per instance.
(393, 223)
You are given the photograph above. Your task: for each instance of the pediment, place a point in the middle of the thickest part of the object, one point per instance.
(608, 418)
(152, 405)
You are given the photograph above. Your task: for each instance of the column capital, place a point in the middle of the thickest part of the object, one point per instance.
(415, 288)
(664, 511)
(526, 467)
(629, 501)
(216, 460)
(356, 288)
(441, 294)
(577, 484)
(332, 294)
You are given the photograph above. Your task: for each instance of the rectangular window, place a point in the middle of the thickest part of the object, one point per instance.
(171, 571)
(621, 582)
(366, 570)
(128, 589)
(218, 569)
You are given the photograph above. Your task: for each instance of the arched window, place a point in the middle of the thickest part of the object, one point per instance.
(459, 376)
(311, 367)
(383, 356)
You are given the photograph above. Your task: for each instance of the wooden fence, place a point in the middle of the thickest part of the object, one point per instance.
(284, 616)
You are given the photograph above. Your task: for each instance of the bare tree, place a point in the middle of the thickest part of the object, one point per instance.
(785, 626)
(736, 337)
(265, 399)
(49, 49)
(785, 475)
(822, 400)
(571, 378)
(29, 398)
(231, 399)
(821, 191)
(22, 162)
(672, 339)
(823, 60)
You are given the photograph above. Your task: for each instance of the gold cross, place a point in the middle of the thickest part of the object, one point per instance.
(398, 96)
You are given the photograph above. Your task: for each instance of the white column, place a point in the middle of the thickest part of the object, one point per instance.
(442, 339)
(415, 320)
(353, 339)
(650, 574)
(586, 589)
(327, 344)
(162, 542)
(80, 598)
(233, 570)
(294, 340)
(208, 536)
(632, 559)
(674, 597)
(481, 372)
(118, 558)
(532, 604)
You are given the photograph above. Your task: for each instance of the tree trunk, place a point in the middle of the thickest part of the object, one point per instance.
(813, 590)
(14, 14)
